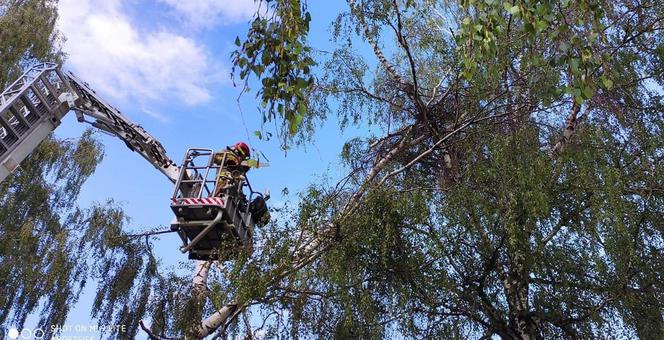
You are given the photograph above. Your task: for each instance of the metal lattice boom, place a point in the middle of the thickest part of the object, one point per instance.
(33, 106)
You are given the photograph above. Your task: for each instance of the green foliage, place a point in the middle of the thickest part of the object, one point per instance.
(276, 53)
(123, 267)
(434, 264)
(569, 37)
(40, 225)
(49, 247)
(27, 35)
(465, 223)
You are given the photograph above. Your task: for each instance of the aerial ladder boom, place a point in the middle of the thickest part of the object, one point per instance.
(214, 221)
(207, 214)
(34, 105)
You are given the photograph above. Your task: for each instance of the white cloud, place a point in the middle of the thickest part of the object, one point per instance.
(106, 50)
(206, 13)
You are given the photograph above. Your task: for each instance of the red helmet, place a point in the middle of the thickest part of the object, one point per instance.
(243, 147)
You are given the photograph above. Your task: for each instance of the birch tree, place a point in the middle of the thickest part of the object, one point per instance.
(510, 184)
(49, 246)
(514, 188)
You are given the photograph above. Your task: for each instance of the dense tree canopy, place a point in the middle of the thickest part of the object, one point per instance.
(515, 187)
(511, 183)
(49, 246)
(27, 35)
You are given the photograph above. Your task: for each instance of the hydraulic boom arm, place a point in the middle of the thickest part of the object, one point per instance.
(33, 106)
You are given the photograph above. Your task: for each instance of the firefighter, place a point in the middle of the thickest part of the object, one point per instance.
(231, 169)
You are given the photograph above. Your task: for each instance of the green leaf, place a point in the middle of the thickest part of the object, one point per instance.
(237, 41)
(564, 47)
(529, 27)
(574, 65)
(541, 25)
(608, 83)
(258, 134)
(578, 96)
(301, 83)
(301, 109)
(295, 123)
(586, 55)
(511, 9)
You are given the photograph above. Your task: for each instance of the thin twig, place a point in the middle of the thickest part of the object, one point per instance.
(151, 334)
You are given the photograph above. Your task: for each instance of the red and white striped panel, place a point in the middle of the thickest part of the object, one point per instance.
(199, 201)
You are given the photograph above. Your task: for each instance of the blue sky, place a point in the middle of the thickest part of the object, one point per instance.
(166, 65)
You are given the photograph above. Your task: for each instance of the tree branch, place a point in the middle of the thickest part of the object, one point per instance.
(570, 125)
(151, 334)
